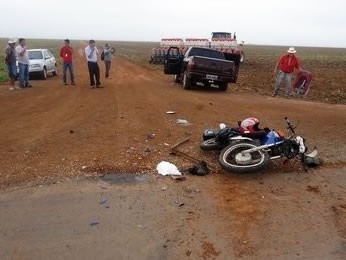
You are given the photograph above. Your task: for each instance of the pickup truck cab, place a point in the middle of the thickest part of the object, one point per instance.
(204, 65)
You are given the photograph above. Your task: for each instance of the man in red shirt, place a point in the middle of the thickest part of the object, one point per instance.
(286, 64)
(66, 53)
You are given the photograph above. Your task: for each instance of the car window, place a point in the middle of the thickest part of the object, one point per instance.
(35, 55)
(46, 54)
(49, 53)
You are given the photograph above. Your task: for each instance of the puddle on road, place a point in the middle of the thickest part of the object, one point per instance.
(126, 178)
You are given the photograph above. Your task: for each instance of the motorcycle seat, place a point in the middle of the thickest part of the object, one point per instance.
(255, 135)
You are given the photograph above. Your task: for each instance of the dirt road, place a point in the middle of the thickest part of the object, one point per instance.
(54, 133)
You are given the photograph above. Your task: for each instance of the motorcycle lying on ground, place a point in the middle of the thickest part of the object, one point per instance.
(226, 135)
(244, 154)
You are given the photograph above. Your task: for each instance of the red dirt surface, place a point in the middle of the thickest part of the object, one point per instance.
(51, 132)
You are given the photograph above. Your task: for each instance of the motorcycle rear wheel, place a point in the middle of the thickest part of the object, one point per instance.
(231, 158)
(210, 145)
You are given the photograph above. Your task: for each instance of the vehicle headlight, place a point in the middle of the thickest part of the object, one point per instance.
(35, 65)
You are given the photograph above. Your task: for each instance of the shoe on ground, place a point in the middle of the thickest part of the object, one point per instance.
(11, 88)
(73, 84)
(274, 94)
(28, 85)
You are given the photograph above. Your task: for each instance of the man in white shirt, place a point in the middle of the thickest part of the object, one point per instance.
(23, 63)
(91, 54)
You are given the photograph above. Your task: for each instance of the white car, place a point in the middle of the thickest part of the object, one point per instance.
(42, 62)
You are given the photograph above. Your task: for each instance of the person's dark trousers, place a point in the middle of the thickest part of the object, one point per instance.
(108, 67)
(67, 66)
(94, 73)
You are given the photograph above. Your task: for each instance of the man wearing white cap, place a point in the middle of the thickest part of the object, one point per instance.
(10, 60)
(286, 64)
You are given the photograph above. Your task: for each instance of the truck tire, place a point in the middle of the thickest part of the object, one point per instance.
(187, 82)
(177, 78)
(242, 57)
(223, 86)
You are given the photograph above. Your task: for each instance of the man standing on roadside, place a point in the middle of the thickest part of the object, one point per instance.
(23, 64)
(91, 54)
(66, 53)
(286, 64)
(10, 60)
(107, 52)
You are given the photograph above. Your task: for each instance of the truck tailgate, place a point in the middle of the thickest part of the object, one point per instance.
(213, 66)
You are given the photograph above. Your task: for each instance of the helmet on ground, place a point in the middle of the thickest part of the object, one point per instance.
(208, 134)
(249, 125)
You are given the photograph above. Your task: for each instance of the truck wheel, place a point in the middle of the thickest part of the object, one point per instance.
(242, 57)
(187, 82)
(223, 86)
(177, 78)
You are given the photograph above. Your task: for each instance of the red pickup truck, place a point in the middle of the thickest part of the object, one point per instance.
(204, 65)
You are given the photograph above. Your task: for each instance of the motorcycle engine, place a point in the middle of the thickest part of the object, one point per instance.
(289, 148)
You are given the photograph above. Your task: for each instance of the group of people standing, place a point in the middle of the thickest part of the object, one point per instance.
(92, 55)
(19, 53)
(285, 66)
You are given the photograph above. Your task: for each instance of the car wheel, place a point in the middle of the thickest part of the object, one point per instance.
(55, 72)
(44, 73)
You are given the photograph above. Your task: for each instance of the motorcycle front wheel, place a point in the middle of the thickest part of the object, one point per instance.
(233, 159)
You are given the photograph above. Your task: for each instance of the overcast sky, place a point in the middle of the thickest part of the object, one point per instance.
(273, 22)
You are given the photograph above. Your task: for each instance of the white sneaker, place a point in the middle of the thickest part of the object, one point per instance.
(11, 88)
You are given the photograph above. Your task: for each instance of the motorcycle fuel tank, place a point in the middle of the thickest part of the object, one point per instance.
(271, 138)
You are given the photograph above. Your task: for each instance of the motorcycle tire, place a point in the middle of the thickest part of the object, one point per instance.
(246, 163)
(210, 145)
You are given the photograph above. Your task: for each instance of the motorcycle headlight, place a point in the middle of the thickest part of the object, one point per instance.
(301, 142)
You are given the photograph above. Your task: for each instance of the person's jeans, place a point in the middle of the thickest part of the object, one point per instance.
(23, 74)
(67, 66)
(12, 70)
(108, 67)
(287, 77)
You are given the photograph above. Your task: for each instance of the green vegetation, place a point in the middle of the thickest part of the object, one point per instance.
(3, 68)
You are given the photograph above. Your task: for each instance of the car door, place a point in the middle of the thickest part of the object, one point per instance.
(173, 61)
(48, 60)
